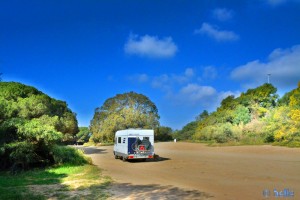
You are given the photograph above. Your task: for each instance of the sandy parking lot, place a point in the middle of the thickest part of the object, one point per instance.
(195, 171)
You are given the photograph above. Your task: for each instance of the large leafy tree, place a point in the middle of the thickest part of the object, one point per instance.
(163, 133)
(30, 124)
(128, 110)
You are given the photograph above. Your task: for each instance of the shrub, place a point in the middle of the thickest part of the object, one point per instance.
(221, 138)
(241, 115)
(21, 155)
(223, 133)
(69, 155)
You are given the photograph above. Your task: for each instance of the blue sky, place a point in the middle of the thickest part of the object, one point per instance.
(184, 55)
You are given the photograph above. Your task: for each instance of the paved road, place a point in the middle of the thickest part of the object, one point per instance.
(195, 171)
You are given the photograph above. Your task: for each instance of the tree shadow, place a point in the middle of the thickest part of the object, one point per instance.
(154, 191)
(20, 185)
(91, 150)
(45, 184)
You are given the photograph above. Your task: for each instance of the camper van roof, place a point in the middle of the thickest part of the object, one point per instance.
(135, 132)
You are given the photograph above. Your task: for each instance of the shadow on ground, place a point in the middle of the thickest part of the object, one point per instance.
(159, 159)
(154, 191)
(91, 150)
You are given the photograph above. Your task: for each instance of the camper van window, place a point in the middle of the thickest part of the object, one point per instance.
(119, 139)
(146, 138)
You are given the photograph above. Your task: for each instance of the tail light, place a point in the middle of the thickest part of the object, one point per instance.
(142, 148)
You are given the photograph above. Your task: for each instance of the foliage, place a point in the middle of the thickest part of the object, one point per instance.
(30, 124)
(187, 131)
(163, 133)
(83, 135)
(256, 117)
(128, 110)
(69, 155)
(241, 115)
(202, 116)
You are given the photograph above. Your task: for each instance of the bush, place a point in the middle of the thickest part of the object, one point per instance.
(21, 155)
(69, 155)
(221, 138)
(223, 133)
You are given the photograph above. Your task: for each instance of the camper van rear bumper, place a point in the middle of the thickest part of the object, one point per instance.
(139, 156)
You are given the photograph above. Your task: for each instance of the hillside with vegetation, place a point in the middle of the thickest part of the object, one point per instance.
(255, 117)
(32, 125)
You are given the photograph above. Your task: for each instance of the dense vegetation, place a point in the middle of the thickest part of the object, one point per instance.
(128, 110)
(31, 126)
(83, 135)
(163, 133)
(257, 116)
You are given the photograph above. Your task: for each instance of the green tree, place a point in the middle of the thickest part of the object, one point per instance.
(128, 110)
(83, 135)
(163, 133)
(202, 115)
(265, 96)
(30, 124)
(187, 132)
(241, 115)
(229, 103)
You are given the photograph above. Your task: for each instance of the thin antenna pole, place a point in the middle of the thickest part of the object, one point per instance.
(269, 78)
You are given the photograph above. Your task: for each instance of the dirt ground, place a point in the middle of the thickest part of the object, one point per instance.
(195, 171)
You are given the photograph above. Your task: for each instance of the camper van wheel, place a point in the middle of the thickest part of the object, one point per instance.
(116, 157)
(124, 159)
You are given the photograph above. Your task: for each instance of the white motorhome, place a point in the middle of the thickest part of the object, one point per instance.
(134, 144)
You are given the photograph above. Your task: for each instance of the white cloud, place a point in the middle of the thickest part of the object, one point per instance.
(185, 90)
(222, 14)
(216, 33)
(150, 46)
(193, 94)
(196, 95)
(282, 64)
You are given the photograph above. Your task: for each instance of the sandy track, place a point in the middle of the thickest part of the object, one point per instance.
(195, 171)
